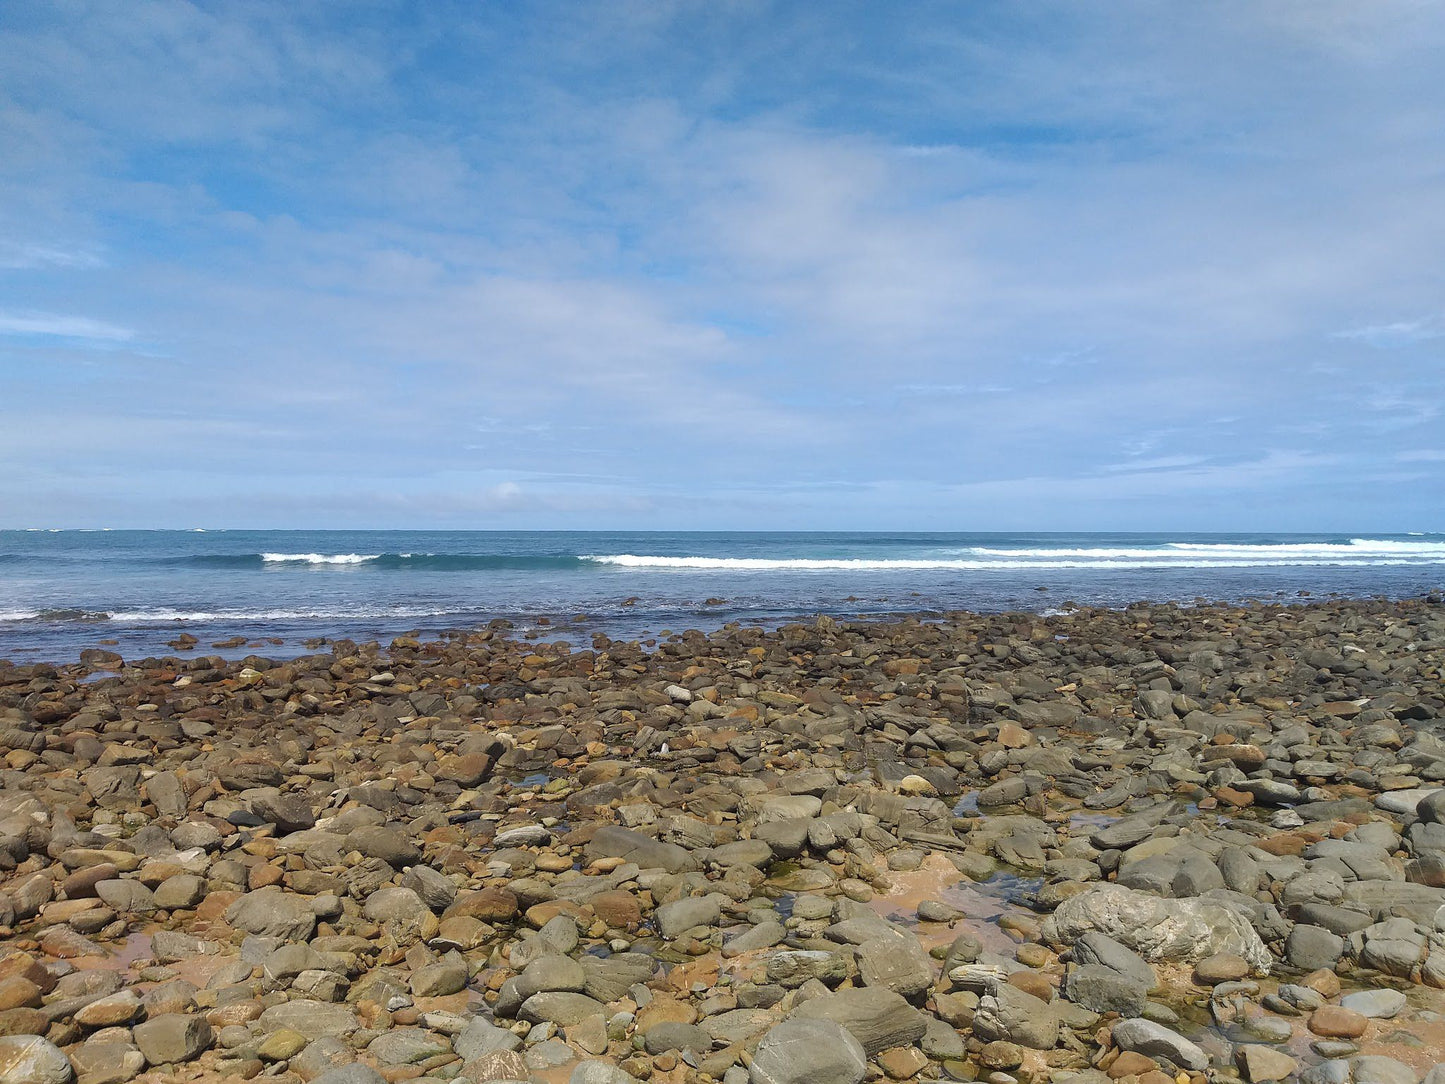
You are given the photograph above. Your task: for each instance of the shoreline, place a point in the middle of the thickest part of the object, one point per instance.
(921, 848)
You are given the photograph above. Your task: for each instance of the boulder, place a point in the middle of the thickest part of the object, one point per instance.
(1157, 929)
(806, 1050)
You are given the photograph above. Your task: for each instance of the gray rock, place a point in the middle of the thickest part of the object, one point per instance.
(29, 1059)
(793, 968)
(896, 962)
(1097, 948)
(482, 1037)
(273, 912)
(313, 1019)
(1156, 1041)
(436, 890)
(562, 1009)
(406, 1046)
(676, 918)
(1376, 1004)
(1009, 1014)
(1102, 989)
(879, 1019)
(675, 1035)
(610, 979)
(288, 812)
(350, 1074)
(806, 1050)
(172, 1038)
(1186, 930)
(763, 935)
(1376, 1069)
(1312, 947)
(385, 844)
(648, 853)
(600, 1072)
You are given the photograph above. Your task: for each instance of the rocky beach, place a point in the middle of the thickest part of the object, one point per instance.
(1150, 844)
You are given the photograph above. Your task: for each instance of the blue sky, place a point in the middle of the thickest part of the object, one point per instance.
(723, 265)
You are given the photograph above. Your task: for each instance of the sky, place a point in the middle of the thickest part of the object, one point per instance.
(973, 266)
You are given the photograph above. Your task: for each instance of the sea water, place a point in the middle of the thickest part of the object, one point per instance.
(61, 591)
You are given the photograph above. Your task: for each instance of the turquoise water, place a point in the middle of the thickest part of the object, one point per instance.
(61, 591)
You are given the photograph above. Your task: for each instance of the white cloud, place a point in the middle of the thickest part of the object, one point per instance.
(62, 327)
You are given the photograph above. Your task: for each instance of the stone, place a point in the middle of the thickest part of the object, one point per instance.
(108, 1062)
(1377, 1069)
(273, 912)
(172, 1038)
(407, 1046)
(350, 1074)
(877, 1018)
(676, 918)
(803, 1050)
(646, 852)
(895, 961)
(1311, 947)
(29, 1059)
(1375, 1004)
(1102, 989)
(1008, 1014)
(1185, 930)
(1219, 968)
(1334, 1022)
(1260, 1063)
(563, 1009)
(1156, 1041)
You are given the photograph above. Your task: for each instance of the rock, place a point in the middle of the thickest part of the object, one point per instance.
(676, 918)
(805, 1050)
(29, 1059)
(288, 812)
(171, 1038)
(1221, 967)
(1312, 947)
(646, 852)
(1375, 1004)
(110, 1062)
(563, 1009)
(384, 844)
(877, 1018)
(481, 1037)
(1376, 1069)
(1008, 1014)
(600, 1072)
(311, 1018)
(895, 961)
(675, 1035)
(1101, 989)
(1334, 1022)
(350, 1074)
(1186, 930)
(406, 1046)
(1157, 1041)
(273, 912)
(1260, 1063)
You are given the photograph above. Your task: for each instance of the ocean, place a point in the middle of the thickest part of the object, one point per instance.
(62, 591)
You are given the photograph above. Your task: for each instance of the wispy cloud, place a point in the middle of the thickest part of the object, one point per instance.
(55, 325)
(1398, 333)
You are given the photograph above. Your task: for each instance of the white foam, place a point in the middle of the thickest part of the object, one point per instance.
(1359, 552)
(321, 558)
